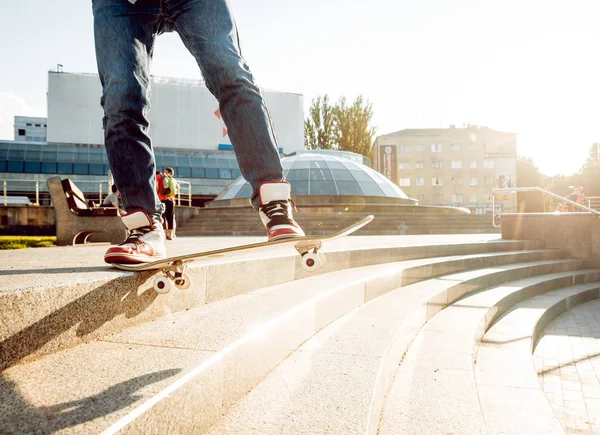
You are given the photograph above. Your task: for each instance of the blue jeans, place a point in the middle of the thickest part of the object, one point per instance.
(124, 37)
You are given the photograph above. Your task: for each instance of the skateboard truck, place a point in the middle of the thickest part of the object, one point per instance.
(173, 274)
(312, 259)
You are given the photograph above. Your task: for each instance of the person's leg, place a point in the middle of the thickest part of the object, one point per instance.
(169, 218)
(208, 30)
(124, 37)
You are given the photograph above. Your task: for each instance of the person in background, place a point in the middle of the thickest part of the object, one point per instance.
(169, 192)
(112, 199)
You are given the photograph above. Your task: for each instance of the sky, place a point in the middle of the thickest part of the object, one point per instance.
(525, 66)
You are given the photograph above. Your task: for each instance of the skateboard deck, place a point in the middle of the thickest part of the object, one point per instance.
(173, 268)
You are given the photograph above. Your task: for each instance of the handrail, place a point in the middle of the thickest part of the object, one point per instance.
(534, 189)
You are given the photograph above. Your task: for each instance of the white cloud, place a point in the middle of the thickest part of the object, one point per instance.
(11, 105)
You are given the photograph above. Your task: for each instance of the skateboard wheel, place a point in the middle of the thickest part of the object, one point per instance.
(183, 282)
(311, 262)
(323, 259)
(162, 284)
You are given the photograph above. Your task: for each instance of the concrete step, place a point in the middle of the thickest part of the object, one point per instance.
(506, 353)
(436, 383)
(70, 305)
(350, 364)
(221, 349)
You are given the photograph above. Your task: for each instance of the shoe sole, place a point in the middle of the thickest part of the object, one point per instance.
(130, 259)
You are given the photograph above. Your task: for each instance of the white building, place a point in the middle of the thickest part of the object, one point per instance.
(30, 129)
(184, 114)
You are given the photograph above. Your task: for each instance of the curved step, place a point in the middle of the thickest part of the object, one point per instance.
(438, 371)
(151, 373)
(567, 360)
(505, 370)
(349, 365)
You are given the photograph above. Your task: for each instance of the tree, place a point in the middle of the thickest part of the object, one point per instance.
(319, 127)
(353, 130)
(528, 175)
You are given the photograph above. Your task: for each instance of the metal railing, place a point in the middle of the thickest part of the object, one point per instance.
(535, 189)
(41, 190)
(186, 196)
(593, 202)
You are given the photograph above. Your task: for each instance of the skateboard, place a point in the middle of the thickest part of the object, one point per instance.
(173, 268)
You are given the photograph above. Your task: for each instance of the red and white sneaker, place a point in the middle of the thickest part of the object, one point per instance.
(275, 211)
(145, 243)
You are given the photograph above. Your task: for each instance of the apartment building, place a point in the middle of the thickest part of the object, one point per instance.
(456, 167)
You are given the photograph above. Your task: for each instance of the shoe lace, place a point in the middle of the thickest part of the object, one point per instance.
(277, 208)
(135, 234)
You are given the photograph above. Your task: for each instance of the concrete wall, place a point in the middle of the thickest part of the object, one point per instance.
(578, 233)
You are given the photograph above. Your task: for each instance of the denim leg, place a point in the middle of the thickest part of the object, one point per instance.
(208, 30)
(124, 36)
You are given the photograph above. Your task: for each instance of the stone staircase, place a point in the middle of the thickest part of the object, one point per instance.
(395, 335)
(244, 221)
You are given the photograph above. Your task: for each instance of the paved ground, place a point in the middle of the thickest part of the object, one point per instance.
(567, 359)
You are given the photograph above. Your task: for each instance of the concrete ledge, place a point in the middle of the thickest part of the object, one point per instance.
(39, 319)
(577, 233)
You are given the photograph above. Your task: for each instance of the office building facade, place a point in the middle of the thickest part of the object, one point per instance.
(455, 167)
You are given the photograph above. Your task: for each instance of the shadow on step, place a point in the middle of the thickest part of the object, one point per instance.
(18, 416)
(88, 313)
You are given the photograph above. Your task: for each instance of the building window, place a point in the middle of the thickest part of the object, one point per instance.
(436, 181)
(456, 164)
(473, 146)
(21, 132)
(436, 164)
(489, 164)
(28, 138)
(38, 125)
(473, 197)
(28, 125)
(456, 181)
(405, 148)
(420, 181)
(50, 168)
(455, 147)
(404, 165)
(436, 147)
(14, 166)
(404, 182)
(473, 164)
(457, 197)
(490, 181)
(487, 197)
(420, 165)
(32, 167)
(419, 148)
(473, 181)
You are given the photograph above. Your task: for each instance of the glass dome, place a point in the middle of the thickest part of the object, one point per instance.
(320, 174)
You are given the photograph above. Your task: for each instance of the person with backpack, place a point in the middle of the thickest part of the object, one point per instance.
(168, 194)
(125, 33)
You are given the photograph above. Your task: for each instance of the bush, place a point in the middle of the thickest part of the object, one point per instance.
(20, 242)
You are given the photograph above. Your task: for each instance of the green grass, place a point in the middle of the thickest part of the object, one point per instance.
(21, 242)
